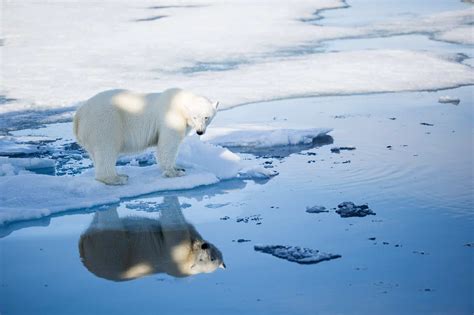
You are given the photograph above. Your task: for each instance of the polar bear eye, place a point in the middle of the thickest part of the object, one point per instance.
(206, 118)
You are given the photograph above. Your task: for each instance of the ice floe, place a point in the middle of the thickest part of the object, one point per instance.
(261, 136)
(449, 100)
(29, 193)
(296, 254)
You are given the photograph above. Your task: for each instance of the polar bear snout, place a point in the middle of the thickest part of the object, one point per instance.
(200, 132)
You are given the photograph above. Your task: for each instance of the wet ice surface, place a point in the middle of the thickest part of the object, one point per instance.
(305, 256)
(388, 261)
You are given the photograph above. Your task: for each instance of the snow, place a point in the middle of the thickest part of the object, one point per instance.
(296, 254)
(239, 52)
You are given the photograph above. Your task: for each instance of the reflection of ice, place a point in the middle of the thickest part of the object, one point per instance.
(122, 249)
(296, 254)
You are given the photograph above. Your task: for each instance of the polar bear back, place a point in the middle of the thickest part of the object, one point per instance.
(127, 121)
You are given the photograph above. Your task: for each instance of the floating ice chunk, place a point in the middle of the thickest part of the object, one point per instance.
(296, 254)
(316, 209)
(262, 136)
(257, 172)
(349, 209)
(449, 100)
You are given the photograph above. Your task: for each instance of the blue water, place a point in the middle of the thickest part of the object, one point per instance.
(421, 189)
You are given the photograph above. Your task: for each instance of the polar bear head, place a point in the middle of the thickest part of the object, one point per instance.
(207, 258)
(200, 112)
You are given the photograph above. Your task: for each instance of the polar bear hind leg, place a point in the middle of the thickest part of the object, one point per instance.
(104, 163)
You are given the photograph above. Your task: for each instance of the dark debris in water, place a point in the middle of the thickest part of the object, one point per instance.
(343, 162)
(420, 252)
(241, 240)
(253, 218)
(426, 124)
(296, 254)
(349, 209)
(339, 149)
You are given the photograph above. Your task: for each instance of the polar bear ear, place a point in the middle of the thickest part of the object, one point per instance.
(215, 104)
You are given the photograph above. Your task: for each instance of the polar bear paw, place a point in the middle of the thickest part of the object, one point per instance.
(174, 172)
(120, 179)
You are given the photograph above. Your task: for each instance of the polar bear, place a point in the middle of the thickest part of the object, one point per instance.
(122, 249)
(120, 121)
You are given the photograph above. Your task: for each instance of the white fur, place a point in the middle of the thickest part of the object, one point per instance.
(121, 121)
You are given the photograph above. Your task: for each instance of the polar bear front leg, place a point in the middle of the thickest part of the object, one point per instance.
(104, 163)
(167, 151)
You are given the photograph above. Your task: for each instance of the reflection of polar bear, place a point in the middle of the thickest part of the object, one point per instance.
(120, 121)
(124, 249)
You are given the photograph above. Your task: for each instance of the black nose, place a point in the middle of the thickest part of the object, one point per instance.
(200, 133)
(204, 246)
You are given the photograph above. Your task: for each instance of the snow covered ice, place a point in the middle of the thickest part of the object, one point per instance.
(27, 195)
(92, 54)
